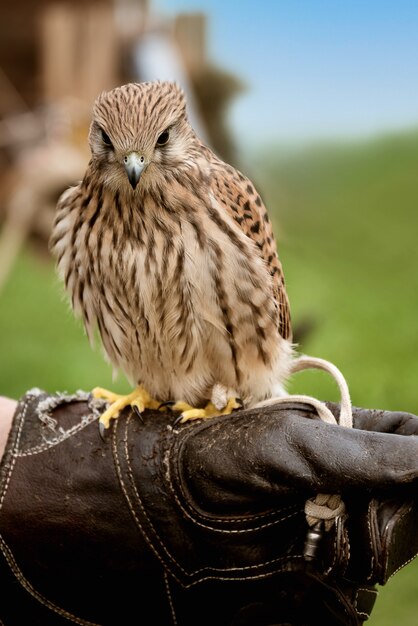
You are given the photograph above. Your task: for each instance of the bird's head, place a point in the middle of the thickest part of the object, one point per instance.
(137, 132)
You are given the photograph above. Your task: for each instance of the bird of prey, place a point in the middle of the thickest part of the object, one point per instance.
(170, 253)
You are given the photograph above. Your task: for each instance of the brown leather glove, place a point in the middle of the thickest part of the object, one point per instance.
(200, 523)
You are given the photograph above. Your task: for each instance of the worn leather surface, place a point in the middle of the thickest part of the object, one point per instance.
(202, 522)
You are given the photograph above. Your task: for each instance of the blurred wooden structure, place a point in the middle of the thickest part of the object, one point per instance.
(53, 63)
(78, 51)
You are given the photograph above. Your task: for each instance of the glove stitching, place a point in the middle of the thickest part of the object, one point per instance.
(24, 582)
(400, 566)
(22, 417)
(45, 405)
(231, 531)
(170, 598)
(176, 453)
(86, 420)
(188, 512)
(128, 498)
(372, 547)
(364, 589)
(17, 573)
(170, 558)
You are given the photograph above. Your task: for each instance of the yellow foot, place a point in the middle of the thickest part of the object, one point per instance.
(139, 398)
(190, 413)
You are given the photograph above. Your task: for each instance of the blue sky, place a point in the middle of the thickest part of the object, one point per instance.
(315, 68)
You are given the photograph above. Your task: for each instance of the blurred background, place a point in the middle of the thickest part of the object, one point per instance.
(316, 101)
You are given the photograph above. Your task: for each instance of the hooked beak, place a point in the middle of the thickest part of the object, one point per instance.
(134, 166)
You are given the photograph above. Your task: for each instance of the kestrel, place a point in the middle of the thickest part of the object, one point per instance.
(170, 253)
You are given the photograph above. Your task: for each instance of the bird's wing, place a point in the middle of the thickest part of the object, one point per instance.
(238, 196)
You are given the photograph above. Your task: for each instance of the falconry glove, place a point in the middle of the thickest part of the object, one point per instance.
(200, 523)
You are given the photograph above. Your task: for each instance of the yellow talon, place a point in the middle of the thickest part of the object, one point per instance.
(139, 398)
(190, 413)
(181, 406)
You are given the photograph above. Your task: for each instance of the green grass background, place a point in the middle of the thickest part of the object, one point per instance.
(346, 221)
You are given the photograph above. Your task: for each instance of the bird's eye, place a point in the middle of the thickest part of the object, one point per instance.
(163, 138)
(106, 138)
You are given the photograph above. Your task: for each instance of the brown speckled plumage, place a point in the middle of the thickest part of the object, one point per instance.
(179, 272)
